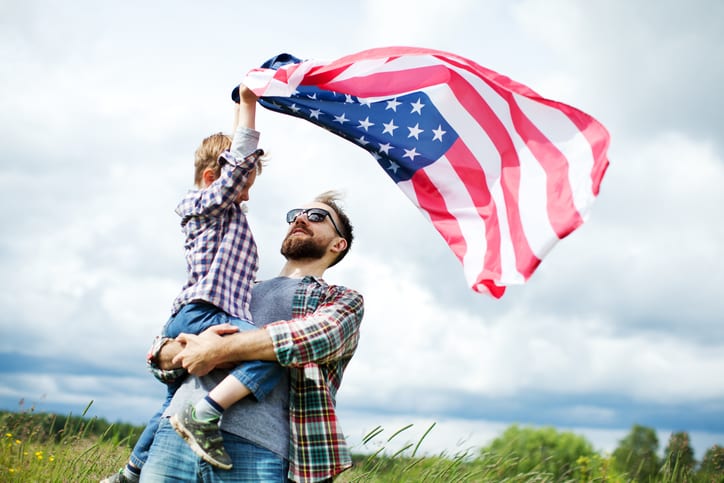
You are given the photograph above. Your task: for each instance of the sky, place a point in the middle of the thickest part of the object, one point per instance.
(102, 105)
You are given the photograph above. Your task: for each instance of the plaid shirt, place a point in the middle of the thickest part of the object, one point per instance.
(221, 255)
(316, 345)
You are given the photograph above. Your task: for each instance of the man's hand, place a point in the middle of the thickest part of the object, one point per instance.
(199, 353)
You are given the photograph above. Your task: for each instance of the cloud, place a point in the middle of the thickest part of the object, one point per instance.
(104, 105)
(650, 68)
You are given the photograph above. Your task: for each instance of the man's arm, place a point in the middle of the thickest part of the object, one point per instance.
(202, 353)
(329, 333)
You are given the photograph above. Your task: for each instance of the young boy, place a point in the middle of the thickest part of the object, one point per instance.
(222, 262)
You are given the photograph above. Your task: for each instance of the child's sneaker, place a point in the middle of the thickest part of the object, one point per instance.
(203, 437)
(120, 477)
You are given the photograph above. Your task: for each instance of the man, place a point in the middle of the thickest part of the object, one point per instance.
(313, 332)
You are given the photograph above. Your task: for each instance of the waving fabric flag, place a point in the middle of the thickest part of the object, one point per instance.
(501, 172)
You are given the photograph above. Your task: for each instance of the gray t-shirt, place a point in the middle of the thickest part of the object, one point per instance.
(266, 422)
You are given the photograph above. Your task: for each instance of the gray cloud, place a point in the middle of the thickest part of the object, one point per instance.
(103, 106)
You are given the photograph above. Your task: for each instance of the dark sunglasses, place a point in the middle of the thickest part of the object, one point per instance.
(314, 215)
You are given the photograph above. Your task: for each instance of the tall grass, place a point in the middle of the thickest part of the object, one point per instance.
(42, 448)
(48, 448)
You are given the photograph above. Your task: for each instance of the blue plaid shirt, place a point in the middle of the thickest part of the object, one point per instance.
(221, 255)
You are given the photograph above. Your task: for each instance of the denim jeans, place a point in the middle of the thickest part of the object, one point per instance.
(259, 377)
(171, 459)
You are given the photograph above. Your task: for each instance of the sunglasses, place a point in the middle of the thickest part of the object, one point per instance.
(314, 215)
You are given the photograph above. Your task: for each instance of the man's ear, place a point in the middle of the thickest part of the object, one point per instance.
(208, 177)
(339, 246)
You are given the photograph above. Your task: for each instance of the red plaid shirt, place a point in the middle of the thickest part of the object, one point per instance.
(317, 345)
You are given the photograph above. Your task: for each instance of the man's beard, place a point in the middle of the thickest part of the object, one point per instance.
(297, 248)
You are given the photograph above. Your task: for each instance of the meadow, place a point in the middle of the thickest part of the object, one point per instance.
(39, 447)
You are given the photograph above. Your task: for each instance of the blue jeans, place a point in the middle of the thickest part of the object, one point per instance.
(171, 459)
(259, 377)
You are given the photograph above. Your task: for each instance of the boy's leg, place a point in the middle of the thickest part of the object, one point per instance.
(258, 377)
(139, 455)
(194, 318)
(198, 424)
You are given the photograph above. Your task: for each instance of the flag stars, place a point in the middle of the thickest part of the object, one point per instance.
(366, 124)
(417, 107)
(393, 167)
(348, 99)
(392, 104)
(410, 153)
(362, 141)
(294, 108)
(315, 113)
(389, 127)
(341, 119)
(415, 131)
(438, 133)
(385, 148)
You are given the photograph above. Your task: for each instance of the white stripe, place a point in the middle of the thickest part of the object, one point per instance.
(462, 208)
(485, 152)
(532, 201)
(559, 129)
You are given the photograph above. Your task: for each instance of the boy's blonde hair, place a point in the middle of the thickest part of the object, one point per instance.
(207, 156)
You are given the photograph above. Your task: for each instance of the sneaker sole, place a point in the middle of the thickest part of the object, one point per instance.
(198, 451)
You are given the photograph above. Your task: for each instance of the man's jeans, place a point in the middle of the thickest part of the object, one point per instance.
(171, 459)
(259, 377)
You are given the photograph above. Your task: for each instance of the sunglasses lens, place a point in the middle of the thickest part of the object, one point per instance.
(292, 214)
(315, 216)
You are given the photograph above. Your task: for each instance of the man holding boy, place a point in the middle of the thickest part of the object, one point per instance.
(313, 333)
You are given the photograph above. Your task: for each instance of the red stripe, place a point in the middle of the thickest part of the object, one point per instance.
(478, 108)
(562, 212)
(433, 203)
(472, 175)
(594, 132)
(383, 83)
(431, 200)
(597, 137)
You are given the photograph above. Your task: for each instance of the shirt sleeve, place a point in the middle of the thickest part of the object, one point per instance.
(328, 334)
(244, 142)
(235, 167)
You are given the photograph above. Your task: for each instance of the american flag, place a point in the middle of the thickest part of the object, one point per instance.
(501, 172)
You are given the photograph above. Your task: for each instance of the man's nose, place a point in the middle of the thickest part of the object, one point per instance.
(301, 219)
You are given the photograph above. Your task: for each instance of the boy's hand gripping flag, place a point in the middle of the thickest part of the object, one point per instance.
(501, 172)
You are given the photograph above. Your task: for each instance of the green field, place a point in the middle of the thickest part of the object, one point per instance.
(53, 448)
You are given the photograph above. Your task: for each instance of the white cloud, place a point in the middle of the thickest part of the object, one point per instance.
(104, 105)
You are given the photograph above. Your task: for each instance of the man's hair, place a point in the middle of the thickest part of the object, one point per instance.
(207, 156)
(332, 199)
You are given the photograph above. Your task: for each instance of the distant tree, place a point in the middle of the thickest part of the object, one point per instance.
(636, 454)
(712, 466)
(529, 450)
(679, 459)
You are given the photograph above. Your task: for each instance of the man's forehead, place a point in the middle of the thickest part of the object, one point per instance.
(317, 204)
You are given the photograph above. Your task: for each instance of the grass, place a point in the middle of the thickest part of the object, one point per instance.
(38, 447)
(48, 448)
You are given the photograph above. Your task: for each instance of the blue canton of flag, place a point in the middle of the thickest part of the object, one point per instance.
(404, 133)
